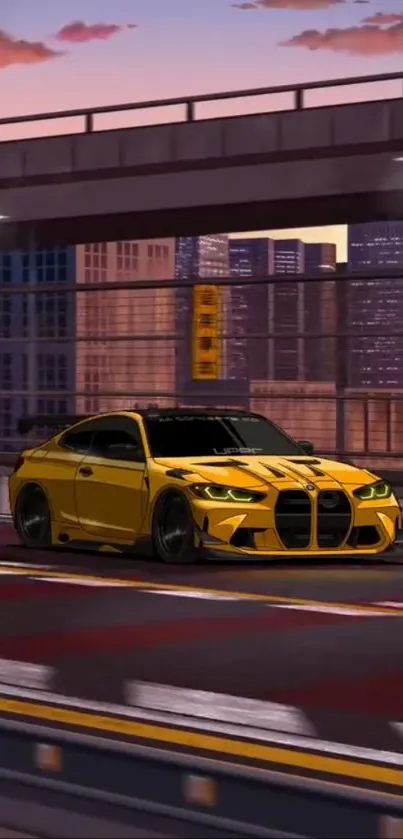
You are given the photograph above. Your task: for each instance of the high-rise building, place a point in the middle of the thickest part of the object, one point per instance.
(374, 245)
(37, 372)
(247, 310)
(320, 312)
(319, 257)
(298, 307)
(126, 349)
(375, 308)
(198, 257)
(286, 311)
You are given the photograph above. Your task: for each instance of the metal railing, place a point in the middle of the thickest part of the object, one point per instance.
(190, 282)
(189, 103)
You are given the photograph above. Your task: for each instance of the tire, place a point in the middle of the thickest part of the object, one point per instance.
(173, 530)
(32, 518)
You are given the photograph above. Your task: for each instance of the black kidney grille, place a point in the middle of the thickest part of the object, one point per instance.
(293, 518)
(334, 518)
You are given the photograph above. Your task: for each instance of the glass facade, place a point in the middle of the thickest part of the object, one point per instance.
(37, 347)
(376, 361)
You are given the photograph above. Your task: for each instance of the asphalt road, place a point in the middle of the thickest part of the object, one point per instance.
(324, 640)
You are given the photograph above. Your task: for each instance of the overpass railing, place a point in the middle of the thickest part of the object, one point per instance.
(321, 355)
(282, 97)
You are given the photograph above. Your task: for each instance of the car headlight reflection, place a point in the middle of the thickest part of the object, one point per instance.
(372, 492)
(216, 492)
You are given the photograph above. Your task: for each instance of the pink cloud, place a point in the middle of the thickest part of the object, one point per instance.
(79, 32)
(356, 40)
(384, 18)
(14, 51)
(295, 5)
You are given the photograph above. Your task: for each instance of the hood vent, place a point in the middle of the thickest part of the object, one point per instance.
(312, 465)
(275, 472)
(306, 462)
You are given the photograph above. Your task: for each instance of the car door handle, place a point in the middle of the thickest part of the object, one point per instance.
(86, 471)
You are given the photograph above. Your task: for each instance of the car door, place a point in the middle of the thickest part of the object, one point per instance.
(60, 468)
(111, 482)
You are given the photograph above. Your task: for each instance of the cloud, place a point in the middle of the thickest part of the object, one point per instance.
(384, 18)
(363, 40)
(79, 32)
(295, 5)
(14, 51)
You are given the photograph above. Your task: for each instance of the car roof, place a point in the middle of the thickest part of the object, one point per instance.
(63, 422)
(186, 412)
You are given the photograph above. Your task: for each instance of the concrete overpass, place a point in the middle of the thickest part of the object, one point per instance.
(303, 166)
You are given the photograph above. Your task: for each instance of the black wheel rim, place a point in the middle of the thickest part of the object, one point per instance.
(34, 516)
(173, 528)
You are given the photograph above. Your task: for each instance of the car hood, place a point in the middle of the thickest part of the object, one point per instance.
(257, 471)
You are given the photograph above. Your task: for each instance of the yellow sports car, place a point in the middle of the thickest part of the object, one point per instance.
(191, 483)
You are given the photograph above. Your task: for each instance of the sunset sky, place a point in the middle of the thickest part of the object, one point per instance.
(56, 56)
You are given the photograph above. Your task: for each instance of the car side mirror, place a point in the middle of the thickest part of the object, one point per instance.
(306, 446)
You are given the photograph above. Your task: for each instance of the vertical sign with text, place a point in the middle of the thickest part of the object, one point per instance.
(207, 332)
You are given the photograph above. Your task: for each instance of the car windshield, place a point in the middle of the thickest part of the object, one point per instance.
(212, 435)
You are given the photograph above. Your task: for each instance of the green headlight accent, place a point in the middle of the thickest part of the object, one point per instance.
(373, 492)
(215, 492)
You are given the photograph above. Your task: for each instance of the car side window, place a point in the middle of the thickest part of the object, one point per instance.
(77, 441)
(118, 444)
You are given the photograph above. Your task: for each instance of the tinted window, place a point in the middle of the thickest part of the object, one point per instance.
(203, 435)
(77, 441)
(118, 445)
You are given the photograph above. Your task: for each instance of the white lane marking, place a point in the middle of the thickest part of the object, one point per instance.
(332, 610)
(219, 707)
(198, 595)
(398, 727)
(25, 674)
(282, 739)
(73, 582)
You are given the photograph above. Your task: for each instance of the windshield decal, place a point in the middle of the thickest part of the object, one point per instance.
(236, 450)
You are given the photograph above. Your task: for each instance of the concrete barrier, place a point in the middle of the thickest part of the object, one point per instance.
(88, 775)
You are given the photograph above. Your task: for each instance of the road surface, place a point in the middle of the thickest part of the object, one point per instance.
(316, 647)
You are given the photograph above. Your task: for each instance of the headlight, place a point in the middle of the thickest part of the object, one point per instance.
(216, 492)
(372, 492)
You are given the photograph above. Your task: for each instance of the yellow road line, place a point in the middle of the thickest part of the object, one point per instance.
(242, 595)
(307, 761)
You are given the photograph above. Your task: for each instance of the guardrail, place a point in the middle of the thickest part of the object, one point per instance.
(343, 277)
(120, 782)
(190, 102)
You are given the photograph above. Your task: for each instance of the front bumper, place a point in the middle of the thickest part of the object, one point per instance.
(228, 553)
(252, 531)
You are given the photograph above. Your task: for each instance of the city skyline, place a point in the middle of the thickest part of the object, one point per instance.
(336, 234)
(240, 346)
